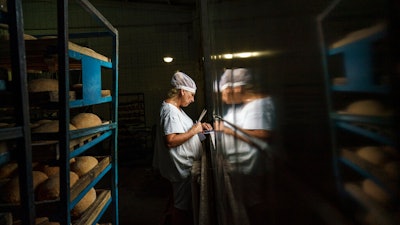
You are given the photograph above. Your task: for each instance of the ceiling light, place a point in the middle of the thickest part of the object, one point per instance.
(168, 59)
(243, 55)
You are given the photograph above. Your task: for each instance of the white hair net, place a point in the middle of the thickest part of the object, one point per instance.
(234, 78)
(183, 81)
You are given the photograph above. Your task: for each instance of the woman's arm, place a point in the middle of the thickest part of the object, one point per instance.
(173, 140)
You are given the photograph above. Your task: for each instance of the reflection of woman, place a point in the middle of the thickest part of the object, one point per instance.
(253, 112)
(178, 145)
(252, 115)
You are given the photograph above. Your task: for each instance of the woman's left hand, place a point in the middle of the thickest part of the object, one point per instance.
(206, 126)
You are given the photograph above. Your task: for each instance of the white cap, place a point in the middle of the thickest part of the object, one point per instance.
(183, 81)
(234, 78)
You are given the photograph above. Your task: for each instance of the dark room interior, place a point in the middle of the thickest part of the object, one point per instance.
(89, 80)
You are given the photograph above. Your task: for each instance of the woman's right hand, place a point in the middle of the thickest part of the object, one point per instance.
(197, 128)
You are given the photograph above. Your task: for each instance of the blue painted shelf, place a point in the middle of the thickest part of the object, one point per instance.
(353, 71)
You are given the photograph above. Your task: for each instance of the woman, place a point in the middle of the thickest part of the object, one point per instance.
(178, 146)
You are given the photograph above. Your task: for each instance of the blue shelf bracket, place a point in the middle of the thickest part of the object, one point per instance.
(358, 61)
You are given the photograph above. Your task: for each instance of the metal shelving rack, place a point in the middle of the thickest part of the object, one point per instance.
(358, 71)
(133, 134)
(21, 131)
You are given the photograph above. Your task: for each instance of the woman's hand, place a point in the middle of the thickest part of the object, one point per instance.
(197, 128)
(206, 126)
(173, 140)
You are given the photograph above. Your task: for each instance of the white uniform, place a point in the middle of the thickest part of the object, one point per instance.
(175, 163)
(255, 115)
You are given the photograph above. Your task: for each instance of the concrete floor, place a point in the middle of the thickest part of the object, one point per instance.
(142, 195)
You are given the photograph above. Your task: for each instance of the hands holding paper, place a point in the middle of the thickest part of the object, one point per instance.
(206, 127)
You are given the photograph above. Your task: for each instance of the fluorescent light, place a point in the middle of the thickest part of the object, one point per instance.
(227, 56)
(243, 55)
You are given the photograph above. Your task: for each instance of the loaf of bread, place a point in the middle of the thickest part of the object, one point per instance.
(51, 170)
(85, 120)
(368, 107)
(372, 154)
(4, 124)
(43, 85)
(10, 192)
(50, 189)
(41, 220)
(84, 203)
(83, 164)
(50, 127)
(375, 192)
(8, 170)
(39, 123)
(105, 93)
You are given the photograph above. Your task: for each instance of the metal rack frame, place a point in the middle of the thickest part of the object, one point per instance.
(15, 19)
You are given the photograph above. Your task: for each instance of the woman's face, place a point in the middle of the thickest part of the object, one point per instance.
(187, 98)
(232, 95)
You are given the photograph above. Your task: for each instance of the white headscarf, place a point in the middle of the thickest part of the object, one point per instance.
(183, 81)
(234, 77)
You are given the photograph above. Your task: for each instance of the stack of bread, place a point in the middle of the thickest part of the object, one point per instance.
(81, 166)
(50, 188)
(10, 192)
(46, 182)
(384, 159)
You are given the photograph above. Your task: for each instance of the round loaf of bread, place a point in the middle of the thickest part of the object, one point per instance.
(8, 170)
(85, 120)
(41, 220)
(50, 189)
(84, 203)
(367, 108)
(43, 121)
(50, 127)
(83, 164)
(375, 192)
(10, 192)
(40, 122)
(43, 85)
(77, 86)
(105, 93)
(51, 170)
(372, 154)
(4, 124)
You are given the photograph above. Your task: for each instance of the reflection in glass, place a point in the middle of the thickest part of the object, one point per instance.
(243, 152)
